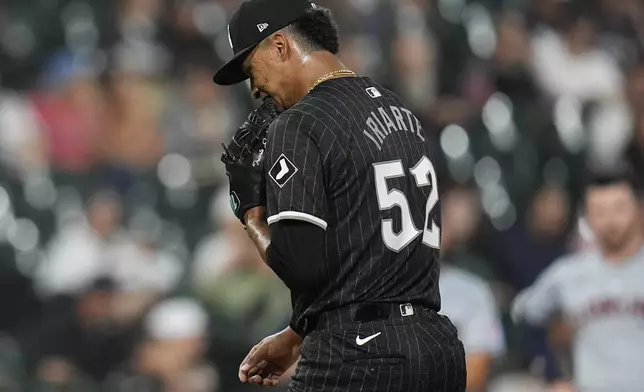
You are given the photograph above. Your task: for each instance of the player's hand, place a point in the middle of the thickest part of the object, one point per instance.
(270, 359)
(244, 160)
(561, 386)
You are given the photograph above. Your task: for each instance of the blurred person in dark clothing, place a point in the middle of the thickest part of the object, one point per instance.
(462, 208)
(511, 61)
(81, 342)
(530, 246)
(170, 357)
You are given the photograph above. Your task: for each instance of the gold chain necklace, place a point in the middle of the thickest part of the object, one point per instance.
(330, 75)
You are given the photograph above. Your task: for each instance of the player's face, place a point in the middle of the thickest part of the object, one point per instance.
(268, 69)
(613, 214)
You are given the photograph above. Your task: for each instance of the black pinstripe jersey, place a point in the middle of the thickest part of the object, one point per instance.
(350, 158)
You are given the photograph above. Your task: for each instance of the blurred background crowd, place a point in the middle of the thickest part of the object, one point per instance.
(121, 265)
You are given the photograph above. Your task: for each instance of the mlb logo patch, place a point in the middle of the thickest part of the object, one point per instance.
(373, 92)
(406, 309)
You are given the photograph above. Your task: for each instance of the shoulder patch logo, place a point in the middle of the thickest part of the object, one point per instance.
(282, 170)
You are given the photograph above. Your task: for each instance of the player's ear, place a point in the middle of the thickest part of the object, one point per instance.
(281, 45)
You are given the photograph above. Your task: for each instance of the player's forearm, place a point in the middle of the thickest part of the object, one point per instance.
(560, 335)
(257, 230)
(478, 370)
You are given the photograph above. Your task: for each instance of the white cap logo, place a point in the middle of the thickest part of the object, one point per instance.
(262, 26)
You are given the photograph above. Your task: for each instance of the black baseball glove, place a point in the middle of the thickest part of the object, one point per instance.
(244, 160)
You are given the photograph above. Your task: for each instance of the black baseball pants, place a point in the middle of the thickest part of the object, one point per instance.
(381, 348)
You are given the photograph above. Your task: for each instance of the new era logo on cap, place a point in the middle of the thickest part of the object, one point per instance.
(262, 26)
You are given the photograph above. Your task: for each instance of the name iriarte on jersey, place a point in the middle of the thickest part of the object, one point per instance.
(381, 125)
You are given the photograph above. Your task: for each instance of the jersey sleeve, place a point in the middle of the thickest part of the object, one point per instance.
(537, 303)
(295, 178)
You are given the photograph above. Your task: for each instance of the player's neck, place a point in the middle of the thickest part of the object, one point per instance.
(625, 252)
(314, 67)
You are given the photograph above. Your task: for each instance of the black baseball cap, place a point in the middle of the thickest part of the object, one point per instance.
(251, 22)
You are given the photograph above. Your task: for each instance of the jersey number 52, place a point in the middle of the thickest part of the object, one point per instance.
(424, 175)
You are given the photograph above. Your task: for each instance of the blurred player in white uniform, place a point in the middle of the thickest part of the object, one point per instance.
(600, 293)
(469, 303)
(465, 298)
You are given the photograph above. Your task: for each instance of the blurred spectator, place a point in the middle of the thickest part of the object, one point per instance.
(82, 343)
(462, 217)
(260, 304)
(549, 14)
(531, 247)
(145, 272)
(620, 23)
(170, 357)
(415, 60)
(71, 112)
(132, 143)
(83, 250)
(511, 61)
(569, 67)
(143, 266)
(215, 253)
